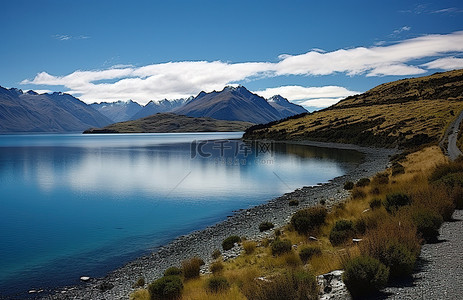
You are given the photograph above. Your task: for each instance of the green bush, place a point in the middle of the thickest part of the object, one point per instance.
(139, 283)
(396, 200)
(166, 288)
(265, 226)
(362, 182)
(230, 241)
(341, 231)
(427, 222)
(173, 271)
(281, 246)
(365, 275)
(307, 253)
(399, 260)
(216, 267)
(293, 202)
(348, 185)
(216, 254)
(375, 203)
(308, 219)
(191, 267)
(217, 284)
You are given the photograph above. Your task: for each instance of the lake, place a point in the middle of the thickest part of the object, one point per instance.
(74, 205)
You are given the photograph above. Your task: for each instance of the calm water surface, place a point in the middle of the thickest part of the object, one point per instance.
(73, 205)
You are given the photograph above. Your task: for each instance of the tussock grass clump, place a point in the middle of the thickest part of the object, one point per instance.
(365, 275)
(217, 284)
(358, 193)
(166, 288)
(381, 178)
(216, 254)
(280, 247)
(427, 222)
(341, 231)
(308, 219)
(397, 169)
(457, 197)
(265, 226)
(249, 247)
(216, 267)
(306, 253)
(295, 285)
(399, 259)
(375, 203)
(191, 267)
(230, 241)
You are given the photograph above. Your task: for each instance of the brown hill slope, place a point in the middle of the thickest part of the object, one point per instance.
(169, 122)
(404, 113)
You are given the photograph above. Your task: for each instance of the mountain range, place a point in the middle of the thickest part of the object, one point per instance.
(57, 112)
(60, 112)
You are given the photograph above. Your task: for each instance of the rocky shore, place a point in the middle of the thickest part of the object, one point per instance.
(118, 284)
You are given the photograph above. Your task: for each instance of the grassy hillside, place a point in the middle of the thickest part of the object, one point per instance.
(404, 113)
(168, 122)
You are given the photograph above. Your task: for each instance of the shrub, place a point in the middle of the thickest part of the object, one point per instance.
(230, 241)
(307, 253)
(249, 247)
(427, 222)
(139, 283)
(396, 200)
(308, 219)
(265, 226)
(277, 232)
(294, 285)
(173, 271)
(217, 284)
(365, 275)
(216, 267)
(348, 185)
(281, 246)
(191, 267)
(360, 225)
(381, 178)
(375, 203)
(166, 288)
(293, 202)
(292, 259)
(362, 182)
(397, 169)
(399, 260)
(216, 254)
(358, 193)
(436, 197)
(341, 231)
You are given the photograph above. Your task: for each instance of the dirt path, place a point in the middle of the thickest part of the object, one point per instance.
(449, 142)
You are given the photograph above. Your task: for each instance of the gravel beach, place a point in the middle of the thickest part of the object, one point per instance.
(243, 223)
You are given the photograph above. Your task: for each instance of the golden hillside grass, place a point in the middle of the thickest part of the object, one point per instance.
(244, 270)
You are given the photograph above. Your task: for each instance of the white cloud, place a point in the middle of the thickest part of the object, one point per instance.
(402, 29)
(67, 37)
(320, 103)
(446, 63)
(182, 79)
(295, 92)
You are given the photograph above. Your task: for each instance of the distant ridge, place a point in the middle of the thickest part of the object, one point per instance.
(57, 112)
(169, 122)
(118, 111)
(236, 104)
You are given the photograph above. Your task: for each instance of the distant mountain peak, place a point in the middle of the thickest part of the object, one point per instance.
(31, 92)
(277, 99)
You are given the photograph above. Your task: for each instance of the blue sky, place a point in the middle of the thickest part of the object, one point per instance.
(312, 52)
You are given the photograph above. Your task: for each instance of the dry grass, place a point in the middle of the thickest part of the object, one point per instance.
(379, 226)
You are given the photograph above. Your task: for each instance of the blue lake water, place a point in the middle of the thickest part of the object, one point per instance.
(73, 205)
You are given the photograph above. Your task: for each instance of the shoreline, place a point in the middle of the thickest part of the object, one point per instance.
(243, 222)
